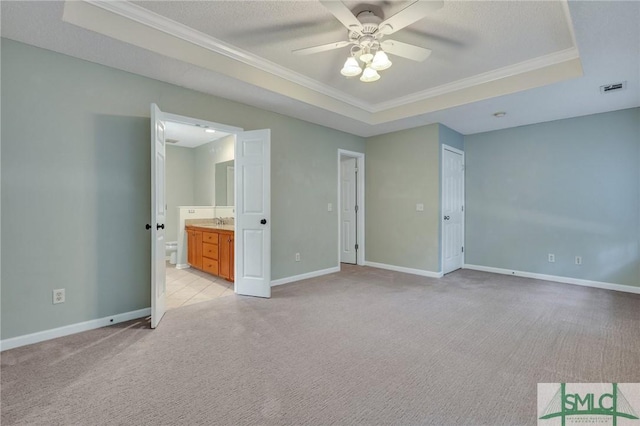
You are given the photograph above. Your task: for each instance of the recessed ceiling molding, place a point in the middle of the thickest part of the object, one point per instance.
(465, 83)
(151, 19)
(87, 15)
(138, 26)
(569, 21)
(511, 84)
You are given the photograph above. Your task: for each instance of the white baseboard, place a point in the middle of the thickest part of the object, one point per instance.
(555, 278)
(183, 266)
(420, 272)
(305, 276)
(41, 336)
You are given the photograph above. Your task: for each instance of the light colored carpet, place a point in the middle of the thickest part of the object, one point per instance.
(363, 346)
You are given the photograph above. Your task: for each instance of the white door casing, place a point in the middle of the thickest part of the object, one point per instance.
(253, 213)
(452, 209)
(348, 213)
(158, 217)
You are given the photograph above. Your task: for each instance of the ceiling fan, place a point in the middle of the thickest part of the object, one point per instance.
(366, 32)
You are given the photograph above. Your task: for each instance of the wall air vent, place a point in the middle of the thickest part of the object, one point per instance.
(171, 140)
(615, 87)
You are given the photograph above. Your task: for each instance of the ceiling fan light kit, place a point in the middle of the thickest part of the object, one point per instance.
(351, 68)
(369, 75)
(381, 61)
(365, 33)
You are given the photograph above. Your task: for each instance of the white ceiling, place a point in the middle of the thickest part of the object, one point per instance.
(518, 56)
(190, 136)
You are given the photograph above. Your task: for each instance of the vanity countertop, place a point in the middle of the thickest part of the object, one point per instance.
(208, 227)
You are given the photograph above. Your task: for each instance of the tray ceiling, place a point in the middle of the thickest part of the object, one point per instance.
(520, 56)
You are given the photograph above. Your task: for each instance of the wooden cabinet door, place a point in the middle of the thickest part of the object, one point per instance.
(191, 247)
(194, 248)
(198, 249)
(224, 256)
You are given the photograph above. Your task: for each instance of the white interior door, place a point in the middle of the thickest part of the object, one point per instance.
(158, 216)
(253, 213)
(348, 212)
(452, 209)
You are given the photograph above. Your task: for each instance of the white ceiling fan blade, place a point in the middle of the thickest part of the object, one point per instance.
(343, 14)
(409, 15)
(405, 50)
(321, 48)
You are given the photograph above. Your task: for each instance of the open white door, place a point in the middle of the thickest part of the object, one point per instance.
(158, 216)
(348, 210)
(253, 213)
(452, 209)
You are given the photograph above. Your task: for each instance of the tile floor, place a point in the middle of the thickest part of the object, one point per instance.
(189, 286)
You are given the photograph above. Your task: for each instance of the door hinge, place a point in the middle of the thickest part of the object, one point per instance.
(462, 208)
(463, 249)
(356, 208)
(357, 247)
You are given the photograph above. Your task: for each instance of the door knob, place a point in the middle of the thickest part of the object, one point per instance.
(263, 221)
(158, 226)
(446, 218)
(147, 227)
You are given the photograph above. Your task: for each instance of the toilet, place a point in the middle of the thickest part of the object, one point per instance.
(171, 248)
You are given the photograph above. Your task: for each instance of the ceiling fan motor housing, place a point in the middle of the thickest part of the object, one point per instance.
(369, 21)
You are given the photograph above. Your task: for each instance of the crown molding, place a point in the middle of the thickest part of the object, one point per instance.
(151, 19)
(466, 83)
(170, 27)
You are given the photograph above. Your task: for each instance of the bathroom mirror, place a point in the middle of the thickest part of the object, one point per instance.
(224, 184)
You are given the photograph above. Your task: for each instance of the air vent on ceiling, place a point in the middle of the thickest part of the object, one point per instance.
(171, 140)
(615, 87)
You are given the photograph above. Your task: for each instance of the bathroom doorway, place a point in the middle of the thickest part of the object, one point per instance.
(199, 191)
(212, 249)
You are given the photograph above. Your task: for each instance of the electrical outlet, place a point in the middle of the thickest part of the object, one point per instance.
(297, 257)
(552, 258)
(58, 296)
(578, 260)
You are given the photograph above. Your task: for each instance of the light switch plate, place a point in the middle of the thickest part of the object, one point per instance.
(329, 207)
(419, 207)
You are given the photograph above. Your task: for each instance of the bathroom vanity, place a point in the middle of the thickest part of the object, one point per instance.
(210, 248)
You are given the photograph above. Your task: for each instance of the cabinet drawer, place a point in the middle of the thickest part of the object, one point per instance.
(210, 237)
(210, 265)
(210, 250)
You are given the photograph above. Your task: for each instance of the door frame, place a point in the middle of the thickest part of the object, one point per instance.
(456, 151)
(166, 116)
(360, 229)
(183, 119)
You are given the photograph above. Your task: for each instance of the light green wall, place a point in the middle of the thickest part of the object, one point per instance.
(203, 176)
(75, 173)
(179, 185)
(568, 187)
(402, 170)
